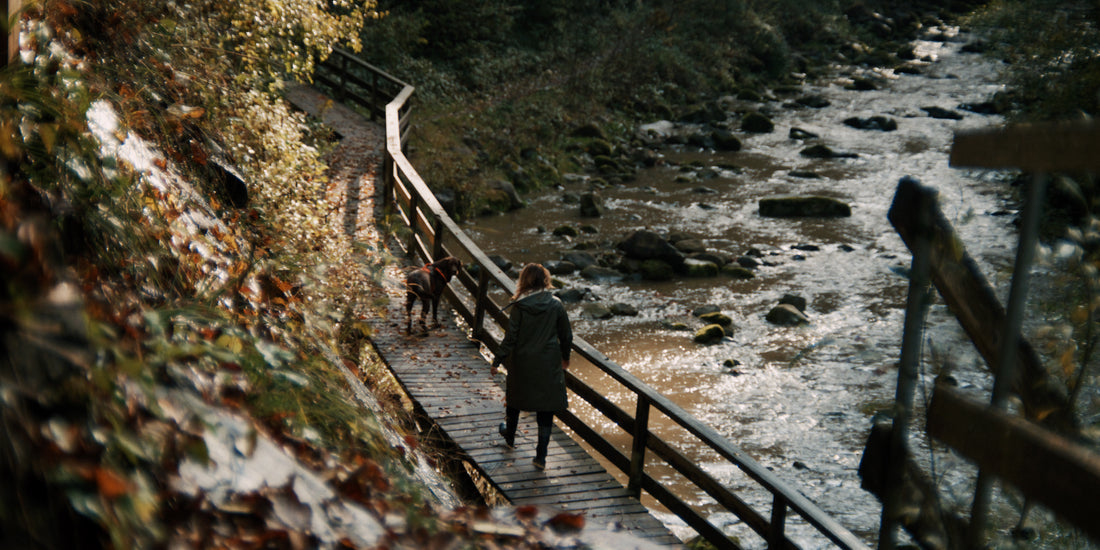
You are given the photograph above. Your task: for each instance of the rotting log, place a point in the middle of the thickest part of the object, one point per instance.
(1045, 467)
(974, 303)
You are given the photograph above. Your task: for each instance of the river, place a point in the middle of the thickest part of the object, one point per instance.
(800, 400)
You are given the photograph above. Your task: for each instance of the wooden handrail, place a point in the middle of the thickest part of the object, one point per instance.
(434, 234)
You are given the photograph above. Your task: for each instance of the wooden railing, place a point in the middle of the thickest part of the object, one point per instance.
(433, 235)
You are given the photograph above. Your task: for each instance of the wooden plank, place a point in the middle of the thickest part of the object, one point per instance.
(972, 300)
(1048, 468)
(1049, 147)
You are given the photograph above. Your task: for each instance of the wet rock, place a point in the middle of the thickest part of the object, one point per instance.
(799, 133)
(720, 319)
(725, 140)
(794, 300)
(599, 148)
(981, 108)
(941, 113)
(579, 259)
(570, 198)
(601, 274)
(748, 261)
(690, 246)
(624, 310)
(646, 245)
(757, 123)
(738, 272)
(803, 207)
(712, 257)
(813, 101)
(500, 261)
(786, 315)
(699, 268)
(806, 247)
(1066, 195)
(908, 68)
(710, 334)
(566, 231)
(591, 205)
(820, 151)
(656, 270)
(677, 326)
(572, 295)
(705, 191)
(880, 123)
(703, 310)
(556, 267)
(596, 310)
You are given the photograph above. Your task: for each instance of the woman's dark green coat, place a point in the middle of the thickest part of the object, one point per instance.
(537, 340)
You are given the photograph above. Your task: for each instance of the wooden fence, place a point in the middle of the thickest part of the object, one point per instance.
(1038, 455)
(433, 234)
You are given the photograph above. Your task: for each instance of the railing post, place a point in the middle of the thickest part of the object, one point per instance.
(637, 451)
(414, 206)
(437, 239)
(342, 76)
(387, 181)
(777, 537)
(480, 302)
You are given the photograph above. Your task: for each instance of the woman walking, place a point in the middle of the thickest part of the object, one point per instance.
(537, 346)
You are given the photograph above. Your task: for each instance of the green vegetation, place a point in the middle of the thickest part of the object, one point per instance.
(509, 91)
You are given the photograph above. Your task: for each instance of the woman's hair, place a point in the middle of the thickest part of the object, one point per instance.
(533, 277)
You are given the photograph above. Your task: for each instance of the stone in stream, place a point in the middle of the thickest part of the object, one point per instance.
(647, 245)
(820, 151)
(591, 205)
(786, 315)
(880, 123)
(757, 123)
(579, 259)
(790, 206)
(710, 334)
(941, 113)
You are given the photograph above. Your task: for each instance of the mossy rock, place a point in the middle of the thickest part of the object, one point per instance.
(656, 270)
(597, 311)
(710, 334)
(717, 318)
(566, 231)
(699, 268)
(757, 123)
(738, 272)
(599, 147)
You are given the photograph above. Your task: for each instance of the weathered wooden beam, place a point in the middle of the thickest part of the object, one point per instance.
(1046, 467)
(919, 510)
(975, 305)
(1052, 147)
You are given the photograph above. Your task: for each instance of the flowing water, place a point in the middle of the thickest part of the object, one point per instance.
(800, 399)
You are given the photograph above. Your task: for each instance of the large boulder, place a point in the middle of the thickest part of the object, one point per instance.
(647, 245)
(790, 206)
(556, 267)
(596, 310)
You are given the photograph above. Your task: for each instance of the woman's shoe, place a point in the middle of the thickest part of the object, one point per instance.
(540, 463)
(508, 441)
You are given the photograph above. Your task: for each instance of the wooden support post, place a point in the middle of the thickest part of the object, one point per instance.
(437, 239)
(637, 451)
(916, 307)
(387, 182)
(777, 537)
(414, 212)
(481, 301)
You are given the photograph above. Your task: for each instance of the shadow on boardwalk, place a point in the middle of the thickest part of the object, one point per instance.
(445, 374)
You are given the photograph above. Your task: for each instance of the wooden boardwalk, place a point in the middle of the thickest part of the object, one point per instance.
(446, 376)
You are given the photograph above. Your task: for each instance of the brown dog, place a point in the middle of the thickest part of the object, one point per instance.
(426, 284)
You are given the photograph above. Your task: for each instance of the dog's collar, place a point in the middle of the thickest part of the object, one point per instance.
(431, 267)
